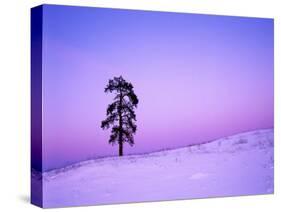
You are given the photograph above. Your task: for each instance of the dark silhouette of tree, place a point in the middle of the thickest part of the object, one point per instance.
(120, 114)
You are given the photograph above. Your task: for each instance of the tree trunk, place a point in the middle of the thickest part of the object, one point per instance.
(120, 148)
(120, 140)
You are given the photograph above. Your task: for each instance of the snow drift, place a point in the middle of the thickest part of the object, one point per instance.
(236, 165)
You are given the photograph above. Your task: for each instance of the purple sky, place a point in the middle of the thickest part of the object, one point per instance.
(198, 77)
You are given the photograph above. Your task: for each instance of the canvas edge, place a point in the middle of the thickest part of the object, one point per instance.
(36, 188)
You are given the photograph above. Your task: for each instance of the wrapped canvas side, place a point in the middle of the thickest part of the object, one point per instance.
(36, 106)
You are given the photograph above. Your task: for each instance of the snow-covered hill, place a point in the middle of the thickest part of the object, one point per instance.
(236, 165)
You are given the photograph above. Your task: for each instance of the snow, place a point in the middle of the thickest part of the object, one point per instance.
(241, 164)
(198, 176)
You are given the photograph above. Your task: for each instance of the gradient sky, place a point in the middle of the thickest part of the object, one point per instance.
(198, 78)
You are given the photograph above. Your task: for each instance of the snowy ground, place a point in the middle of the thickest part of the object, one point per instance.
(236, 165)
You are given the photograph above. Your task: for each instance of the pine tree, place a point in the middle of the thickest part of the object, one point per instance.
(120, 114)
